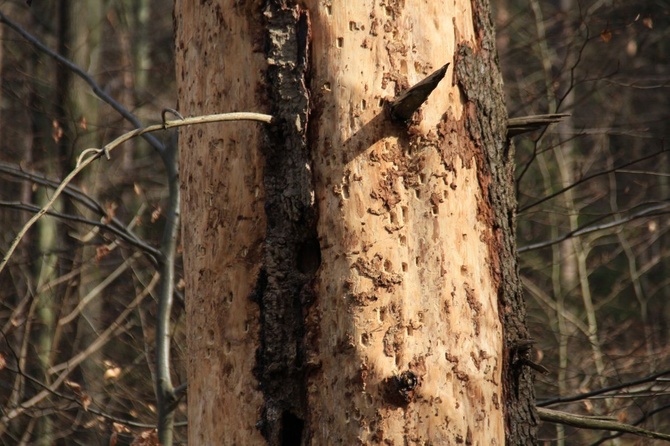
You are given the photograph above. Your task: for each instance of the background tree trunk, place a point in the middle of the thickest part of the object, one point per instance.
(350, 279)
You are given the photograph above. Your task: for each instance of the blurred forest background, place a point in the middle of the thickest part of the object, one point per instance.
(78, 298)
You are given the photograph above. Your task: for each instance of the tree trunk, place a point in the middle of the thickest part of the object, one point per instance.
(351, 279)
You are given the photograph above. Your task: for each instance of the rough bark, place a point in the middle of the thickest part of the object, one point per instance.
(371, 261)
(485, 123)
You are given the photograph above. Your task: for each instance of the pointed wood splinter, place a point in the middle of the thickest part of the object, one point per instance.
(403, 107)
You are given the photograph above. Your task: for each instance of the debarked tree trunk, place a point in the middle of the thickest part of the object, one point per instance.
(351, 278)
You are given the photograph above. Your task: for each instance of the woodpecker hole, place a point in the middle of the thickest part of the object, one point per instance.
(309, 256)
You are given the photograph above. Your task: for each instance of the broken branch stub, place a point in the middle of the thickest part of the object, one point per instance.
(403, 107)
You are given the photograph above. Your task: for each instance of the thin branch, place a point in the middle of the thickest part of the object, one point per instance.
(77, 401)
(635, 423)
(585, 395)
(544, 298)
(71, 191)
(97, 290)
(53, 391)
(648, 212)
(90, 155)
(155, 143)
(124, 235)
(590, 177)
(107, 334)
(644, 172)
(70, 365)
(559, 417)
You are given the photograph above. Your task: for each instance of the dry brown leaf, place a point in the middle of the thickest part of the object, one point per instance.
(118, 427)
(101, 252)
(146, 438)
(112, 373)
(622, 417)
(57, 132)
(156, 214)
(85, 401)
(76, 388)
(110, 210)
(605, 35)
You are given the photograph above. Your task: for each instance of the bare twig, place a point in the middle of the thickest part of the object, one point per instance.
(644, 417)
(584, 422)
(590, 177)
(97, 290)
(76, 69)
(122, 234)
(650, 211)
(77, 401)
(90, 155)
(583, 396)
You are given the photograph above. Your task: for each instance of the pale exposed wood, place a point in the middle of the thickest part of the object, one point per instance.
(405, 281)
(409, 274)
(220, 70)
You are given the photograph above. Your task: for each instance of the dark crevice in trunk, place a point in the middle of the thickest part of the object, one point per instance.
(292, 253)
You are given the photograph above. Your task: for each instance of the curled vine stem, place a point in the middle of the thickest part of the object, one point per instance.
(169, 110)
(96, 153)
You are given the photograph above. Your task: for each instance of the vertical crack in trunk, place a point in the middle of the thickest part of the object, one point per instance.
(292, 254)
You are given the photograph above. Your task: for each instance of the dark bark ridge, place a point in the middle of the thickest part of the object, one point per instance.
(292, 253)
(486, 119)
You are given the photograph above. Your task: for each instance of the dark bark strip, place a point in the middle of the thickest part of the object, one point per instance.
(292, 253)
(486, 122)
